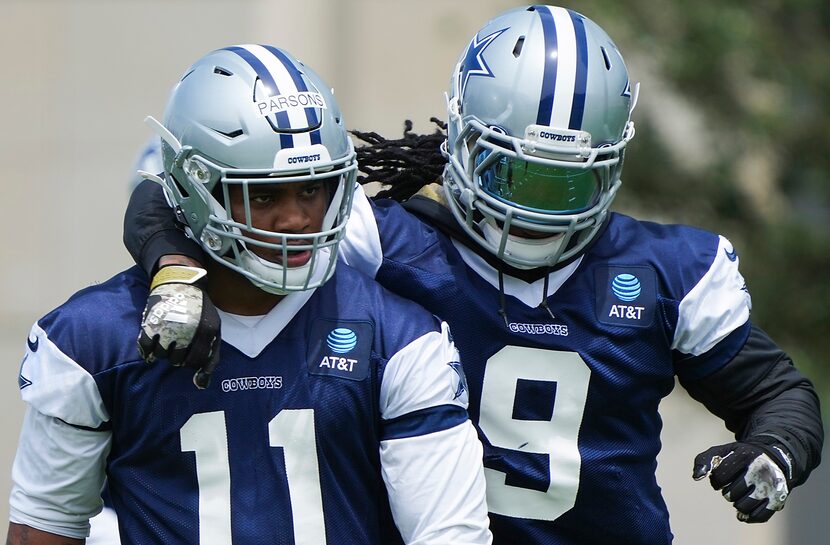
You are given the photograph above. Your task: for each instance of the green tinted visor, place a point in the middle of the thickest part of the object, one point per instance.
(539, 187)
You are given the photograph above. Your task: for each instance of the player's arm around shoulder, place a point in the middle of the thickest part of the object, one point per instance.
(430, 454)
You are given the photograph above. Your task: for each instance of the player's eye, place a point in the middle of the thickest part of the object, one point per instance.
(261, 199)
(311, 189)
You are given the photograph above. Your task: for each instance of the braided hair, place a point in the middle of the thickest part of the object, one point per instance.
(402, 166)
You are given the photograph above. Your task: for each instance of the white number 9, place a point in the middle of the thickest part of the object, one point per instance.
(556, 438)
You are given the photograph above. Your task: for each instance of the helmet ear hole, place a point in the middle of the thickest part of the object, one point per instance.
(606, 58)
(517, 49)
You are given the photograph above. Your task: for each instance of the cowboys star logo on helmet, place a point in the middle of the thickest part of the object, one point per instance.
(474, 63)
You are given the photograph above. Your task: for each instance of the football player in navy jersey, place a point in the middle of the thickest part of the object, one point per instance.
(572, 321)
(337, 413)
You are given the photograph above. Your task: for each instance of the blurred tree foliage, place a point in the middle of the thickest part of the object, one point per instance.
(733, 135)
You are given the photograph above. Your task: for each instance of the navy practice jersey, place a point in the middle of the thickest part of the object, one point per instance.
(301, 437)
(566, 401)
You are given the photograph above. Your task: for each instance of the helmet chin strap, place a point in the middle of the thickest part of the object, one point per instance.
(531, 249)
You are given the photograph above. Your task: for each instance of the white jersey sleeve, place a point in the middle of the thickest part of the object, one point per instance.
(58, 386)
(57, 475)
(433, 473)
(436, 487)
(59, 469)
(361, 248)
(715, 307)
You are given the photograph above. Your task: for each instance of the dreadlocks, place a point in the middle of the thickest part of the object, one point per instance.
(404, 165)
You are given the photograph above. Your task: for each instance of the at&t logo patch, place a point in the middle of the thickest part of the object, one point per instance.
(626, 295)
(340, 349)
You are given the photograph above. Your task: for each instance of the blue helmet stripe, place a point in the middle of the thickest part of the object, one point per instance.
(543, 116)
(297, 77)
(578, 106)
(283, 122)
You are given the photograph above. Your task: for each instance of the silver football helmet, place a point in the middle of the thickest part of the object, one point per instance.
(247, 115)
(539, 114)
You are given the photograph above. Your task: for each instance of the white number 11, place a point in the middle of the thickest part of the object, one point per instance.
(293, 431)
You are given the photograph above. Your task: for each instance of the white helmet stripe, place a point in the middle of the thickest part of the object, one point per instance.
(285, 85)
(566, 68)
(563, 84)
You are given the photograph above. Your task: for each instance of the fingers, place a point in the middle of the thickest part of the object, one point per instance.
(177, 356)
(706, 462)
(181, 324)
(730, 469)
(747, 477)
(752, 510)
(737, 490)
(759, 514)
(202, 377)
(147, 346)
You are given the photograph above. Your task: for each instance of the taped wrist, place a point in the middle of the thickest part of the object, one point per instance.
(179, 274)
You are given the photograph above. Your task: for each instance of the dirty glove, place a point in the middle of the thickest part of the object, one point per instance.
(180, 322)
(750, 475)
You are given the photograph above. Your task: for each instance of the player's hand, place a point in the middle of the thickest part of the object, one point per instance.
(751, 476)
(180, 323)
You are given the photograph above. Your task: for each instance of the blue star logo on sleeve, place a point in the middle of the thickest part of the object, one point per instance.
(23, 382)
(459, 382)
(474, 63)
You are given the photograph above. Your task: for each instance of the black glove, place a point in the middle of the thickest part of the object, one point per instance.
(180, 322)
(751, 475)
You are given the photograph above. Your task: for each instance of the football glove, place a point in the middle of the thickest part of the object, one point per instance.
(750, 475)
(180, 322)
